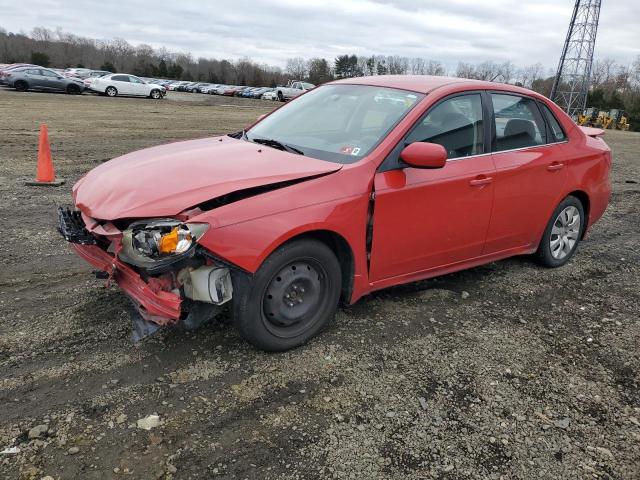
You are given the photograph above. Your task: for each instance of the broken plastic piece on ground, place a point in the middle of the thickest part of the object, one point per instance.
(10, 450)
(141, 328)
(199, 314)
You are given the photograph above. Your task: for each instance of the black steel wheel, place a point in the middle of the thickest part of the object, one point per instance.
(291, 297)
(73, 89)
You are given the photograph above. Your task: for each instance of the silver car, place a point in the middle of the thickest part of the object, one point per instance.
(39, 78)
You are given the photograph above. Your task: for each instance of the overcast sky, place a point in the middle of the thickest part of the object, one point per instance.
(271, 31)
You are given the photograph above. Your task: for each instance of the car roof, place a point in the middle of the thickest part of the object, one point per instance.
(416, 83)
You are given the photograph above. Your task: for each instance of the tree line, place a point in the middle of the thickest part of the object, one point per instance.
(614, 85)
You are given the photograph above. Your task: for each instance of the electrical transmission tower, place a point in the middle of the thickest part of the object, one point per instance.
(571, 84)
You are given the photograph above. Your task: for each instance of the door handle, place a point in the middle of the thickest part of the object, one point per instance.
(480, 181)
(555, 166)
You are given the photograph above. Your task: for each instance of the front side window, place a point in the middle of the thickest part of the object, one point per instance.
(456, 124)
(34, 71)
(49, 73)
(518, 122)
(339, 123)
(133, 79)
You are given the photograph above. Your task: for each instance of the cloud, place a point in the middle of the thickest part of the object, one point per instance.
(271, 31)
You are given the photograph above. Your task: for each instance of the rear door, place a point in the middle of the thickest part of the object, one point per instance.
(36, 79)
(530, 172)
(122, 83)
(425, 219)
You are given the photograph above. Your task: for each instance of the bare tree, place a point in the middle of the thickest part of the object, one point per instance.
(435, 68)
(296, 68)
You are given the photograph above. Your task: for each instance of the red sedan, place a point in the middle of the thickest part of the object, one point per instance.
(355, 186)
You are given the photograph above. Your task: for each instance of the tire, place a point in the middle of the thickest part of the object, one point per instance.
(21, 86)
(280, 96)
(563, 233)
(111, 92)
(291, 298)
(73, 89)
(155, 94)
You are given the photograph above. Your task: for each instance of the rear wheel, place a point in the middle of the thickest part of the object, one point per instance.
(563, 233)
(292, 296)
(155, 94)
(21, 86)
(111, 92)
(280, 96)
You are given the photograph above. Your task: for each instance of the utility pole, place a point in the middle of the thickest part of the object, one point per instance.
(571, 84)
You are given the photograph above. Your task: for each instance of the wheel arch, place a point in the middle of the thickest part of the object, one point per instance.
(586, 205)
(339, 246)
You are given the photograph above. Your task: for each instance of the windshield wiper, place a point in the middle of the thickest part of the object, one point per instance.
(270, 142)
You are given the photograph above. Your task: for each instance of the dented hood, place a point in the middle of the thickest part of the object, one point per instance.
(167, 179)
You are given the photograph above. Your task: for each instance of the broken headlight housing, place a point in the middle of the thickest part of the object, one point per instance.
(159, 243)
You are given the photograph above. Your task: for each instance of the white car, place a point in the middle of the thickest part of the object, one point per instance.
(125, 84)
(294, 89)
(272, 95)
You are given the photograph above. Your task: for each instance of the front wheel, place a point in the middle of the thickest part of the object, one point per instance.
(155, 94)
(563, 233)
(111, 92)
(293, 295)
(280, 96)
(73, 90)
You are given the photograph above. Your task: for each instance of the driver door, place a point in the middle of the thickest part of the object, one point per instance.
(428, 219)
(138, 87)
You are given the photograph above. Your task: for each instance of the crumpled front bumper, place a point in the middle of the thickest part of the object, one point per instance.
(154, 304)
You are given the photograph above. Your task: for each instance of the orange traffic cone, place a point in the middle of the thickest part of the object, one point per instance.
(45, 174)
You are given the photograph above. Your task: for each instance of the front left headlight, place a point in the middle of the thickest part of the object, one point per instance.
(159, 241)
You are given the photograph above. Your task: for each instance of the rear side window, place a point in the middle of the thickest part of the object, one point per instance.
(120, 78)
(456, 124)
(554, 125)
(518, 123)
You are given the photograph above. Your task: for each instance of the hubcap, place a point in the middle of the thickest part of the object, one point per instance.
(565, 232)
(293, 297)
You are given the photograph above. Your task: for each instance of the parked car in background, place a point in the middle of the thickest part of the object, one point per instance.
(258, 93)
(77, 72)
(4, 72)
(294, 89)
(43, 79)
(272, 94)
(125, 84)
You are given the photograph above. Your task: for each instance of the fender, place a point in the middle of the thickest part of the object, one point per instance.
(249, 243)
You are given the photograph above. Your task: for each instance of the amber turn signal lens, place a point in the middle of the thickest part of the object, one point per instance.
(169, 241)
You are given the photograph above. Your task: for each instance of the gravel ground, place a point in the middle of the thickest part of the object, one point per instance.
(503, 371)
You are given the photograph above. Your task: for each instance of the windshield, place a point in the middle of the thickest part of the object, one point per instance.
(340, 123)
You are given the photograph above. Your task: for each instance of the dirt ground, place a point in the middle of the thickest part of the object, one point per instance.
(504, 371)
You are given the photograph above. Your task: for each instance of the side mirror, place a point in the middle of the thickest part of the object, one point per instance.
(424, 155)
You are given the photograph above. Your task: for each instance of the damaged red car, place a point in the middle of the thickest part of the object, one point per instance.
(355, 186)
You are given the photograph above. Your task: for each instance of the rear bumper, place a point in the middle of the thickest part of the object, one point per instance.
(155, 304)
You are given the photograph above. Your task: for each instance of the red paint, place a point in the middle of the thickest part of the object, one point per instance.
(163, 307)
(427, 222)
